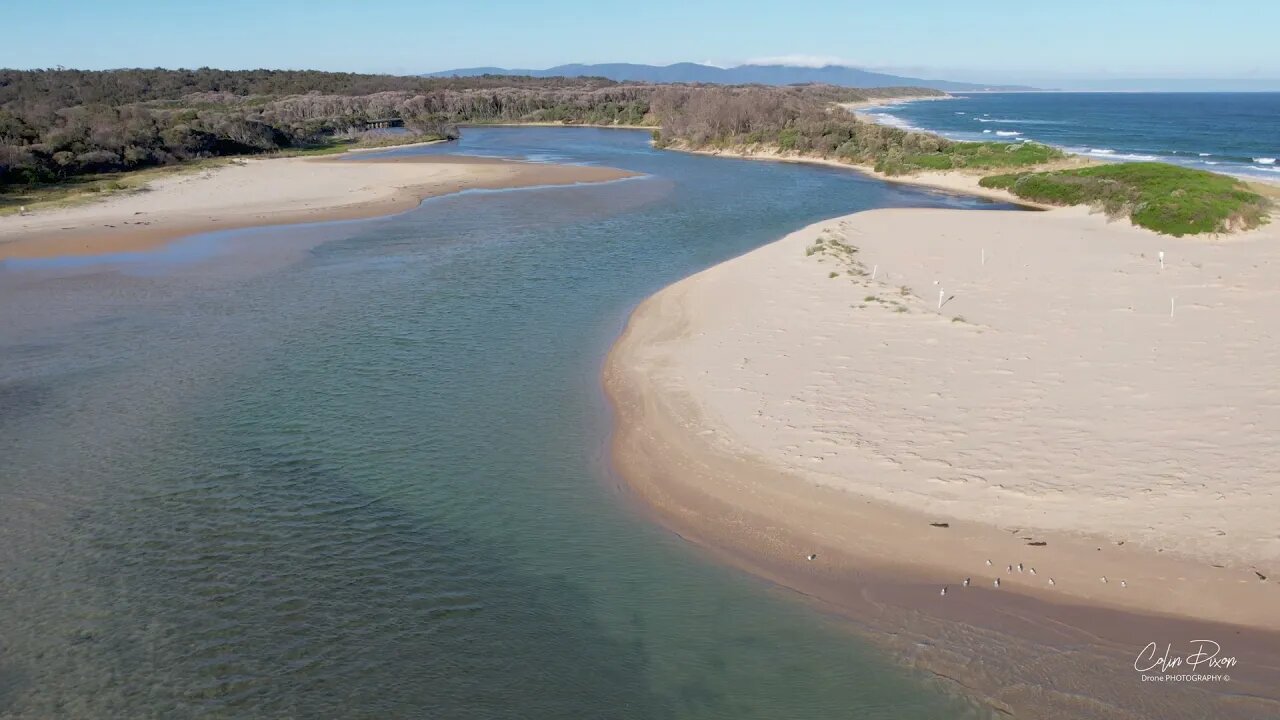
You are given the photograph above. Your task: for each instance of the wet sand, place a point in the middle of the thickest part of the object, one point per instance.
(1051, 415)
(269, 192)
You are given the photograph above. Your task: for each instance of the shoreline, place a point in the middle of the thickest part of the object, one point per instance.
(384, 148)
(962, 182)
(270, 191)
(1268, 185)
(954, 181)
(680, 447)
(600, 126)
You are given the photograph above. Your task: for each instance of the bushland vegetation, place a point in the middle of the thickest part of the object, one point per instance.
(808, 121)
(57, 125)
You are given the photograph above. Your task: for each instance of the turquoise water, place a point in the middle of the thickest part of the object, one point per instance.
(359, 469)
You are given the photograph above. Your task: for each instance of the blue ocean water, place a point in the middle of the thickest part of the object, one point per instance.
(1235, 133)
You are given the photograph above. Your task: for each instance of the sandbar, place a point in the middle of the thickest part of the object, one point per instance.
(276, 191)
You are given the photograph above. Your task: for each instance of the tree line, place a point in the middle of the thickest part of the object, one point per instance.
(59, 124)
(805, 121)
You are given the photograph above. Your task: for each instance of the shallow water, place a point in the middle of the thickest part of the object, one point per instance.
(358, 469)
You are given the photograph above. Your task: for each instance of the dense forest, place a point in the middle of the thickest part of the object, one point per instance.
(58, 124)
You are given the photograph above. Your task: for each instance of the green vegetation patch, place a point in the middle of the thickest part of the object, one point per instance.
(1165, 198)
(978, 155)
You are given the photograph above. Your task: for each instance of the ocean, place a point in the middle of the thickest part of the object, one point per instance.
(360, 469)
(1234, 133)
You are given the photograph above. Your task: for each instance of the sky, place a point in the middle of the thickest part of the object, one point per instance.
(1059, 44)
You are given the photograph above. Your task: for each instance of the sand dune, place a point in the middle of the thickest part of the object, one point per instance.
(268, 192)
(1052, 418)
(1053, 398)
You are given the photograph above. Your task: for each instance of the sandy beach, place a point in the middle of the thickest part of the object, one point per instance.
(268, 192)
(1089, 428)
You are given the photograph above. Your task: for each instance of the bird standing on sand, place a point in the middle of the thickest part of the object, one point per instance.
(966, 582)
(1104, 578)
(944, 591)
(811, 557)
(996, 583)
(1019, 567)
(1033, 571)
(1008, 568)
(1124, 584)
(988, 563)
(1051, 582)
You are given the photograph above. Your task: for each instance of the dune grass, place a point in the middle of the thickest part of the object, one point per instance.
(977, 155)
(1168, 199)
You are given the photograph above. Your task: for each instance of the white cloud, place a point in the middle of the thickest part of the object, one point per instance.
(812, 61)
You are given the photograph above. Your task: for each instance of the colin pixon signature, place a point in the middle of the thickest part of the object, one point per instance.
(1204, 662)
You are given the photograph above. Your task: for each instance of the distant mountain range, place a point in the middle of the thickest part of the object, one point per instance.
(740, 75)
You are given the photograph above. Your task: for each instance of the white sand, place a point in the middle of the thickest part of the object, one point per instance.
(1067, 404)
(266, 191)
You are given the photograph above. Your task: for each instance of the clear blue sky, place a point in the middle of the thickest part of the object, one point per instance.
(996, 41)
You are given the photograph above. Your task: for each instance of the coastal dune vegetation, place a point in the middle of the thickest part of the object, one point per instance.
(1162, 197)
(807, 121)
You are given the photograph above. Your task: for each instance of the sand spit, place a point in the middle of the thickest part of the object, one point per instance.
(269, 192)
(1097, 427)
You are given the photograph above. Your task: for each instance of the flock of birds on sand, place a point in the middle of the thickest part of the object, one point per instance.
(1020, 568)
(994, 583)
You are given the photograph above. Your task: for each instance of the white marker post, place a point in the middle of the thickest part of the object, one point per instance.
(1170, 307)
(1161, 259)
(941, 292)
(874, 270)
(984, 257)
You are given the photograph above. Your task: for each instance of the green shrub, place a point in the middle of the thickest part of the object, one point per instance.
(1166, 198)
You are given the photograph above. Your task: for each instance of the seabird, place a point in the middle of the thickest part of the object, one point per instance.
(966, 582)
(1033, 571)
(1124, 584)
(1019, 567)
(944, 591)
(988, 563)
(1008, 568)
(1104, 578)
(1051, 582)
(996, 583)
(811, 557)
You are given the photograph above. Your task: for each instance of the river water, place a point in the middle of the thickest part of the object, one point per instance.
(359, 469)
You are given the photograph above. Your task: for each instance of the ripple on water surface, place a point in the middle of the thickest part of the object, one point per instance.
(366, 479)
